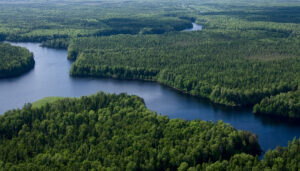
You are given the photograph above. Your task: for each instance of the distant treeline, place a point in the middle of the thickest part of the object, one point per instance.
(14, 60)
(117, 132)
(113, 26)
(243, 55)
(41, 21)
(118, 26)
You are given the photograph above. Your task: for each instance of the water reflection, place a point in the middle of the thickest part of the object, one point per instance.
(50, 77)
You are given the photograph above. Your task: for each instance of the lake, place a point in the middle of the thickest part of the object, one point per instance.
(50, 77)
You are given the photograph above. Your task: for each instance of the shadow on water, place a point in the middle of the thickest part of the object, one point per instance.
(50, 77)
(277, 121)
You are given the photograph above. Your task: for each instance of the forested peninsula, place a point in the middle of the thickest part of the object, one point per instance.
(245, 55)
(282, 105)
(117, 132)
(202, 63)
(14, 60)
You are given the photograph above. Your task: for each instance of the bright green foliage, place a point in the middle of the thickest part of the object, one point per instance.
(113, 132)
(284, 158)
(280, 159)
(45, 101)
(14, 60)
(117, 132)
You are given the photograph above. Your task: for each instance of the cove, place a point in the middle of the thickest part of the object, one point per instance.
(50, 77)
(196, 27)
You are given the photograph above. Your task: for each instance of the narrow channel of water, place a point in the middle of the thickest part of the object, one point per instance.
(50, 77)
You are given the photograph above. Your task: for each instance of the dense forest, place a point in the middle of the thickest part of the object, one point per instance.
(283, 104)
(246, 55)
(117, 132)
(45, 21)
(202, 63)
(240, 58)
(14, 60)
(280, 159)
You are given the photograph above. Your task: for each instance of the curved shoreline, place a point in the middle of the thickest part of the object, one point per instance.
(158, 97)
(26, 63)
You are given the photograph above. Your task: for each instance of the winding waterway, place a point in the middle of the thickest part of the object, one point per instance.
(50, 77)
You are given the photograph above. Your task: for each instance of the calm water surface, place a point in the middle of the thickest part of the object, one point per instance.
(50, 77)
(196, 27)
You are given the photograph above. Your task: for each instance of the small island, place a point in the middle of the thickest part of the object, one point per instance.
(14, 61)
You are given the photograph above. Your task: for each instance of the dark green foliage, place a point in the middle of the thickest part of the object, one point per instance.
(41, 21)
(117, 132)
(201, 63)
(280, 14)
(56, 43)
(234, 61)
(14, 60)
(244, 54)
(113, 132)
(280, 159)
(283, 104)
(143, 26)
(284, 158)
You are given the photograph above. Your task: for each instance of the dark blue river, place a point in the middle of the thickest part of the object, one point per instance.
(50, 77)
